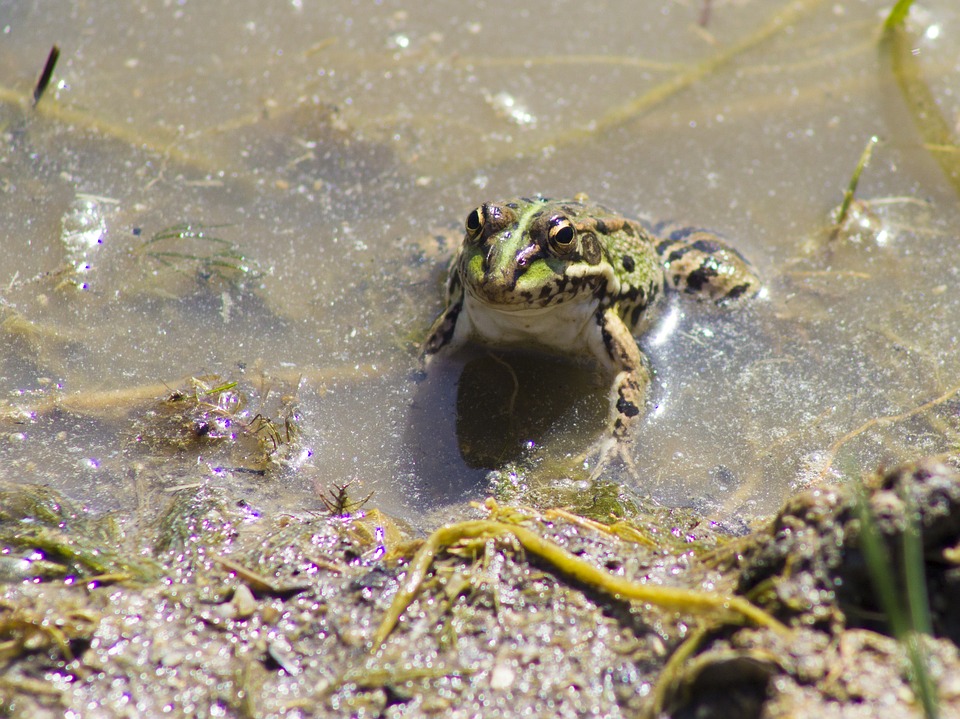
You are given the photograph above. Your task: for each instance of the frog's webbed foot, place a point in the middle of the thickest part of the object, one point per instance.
(699, 263)
(608, 452)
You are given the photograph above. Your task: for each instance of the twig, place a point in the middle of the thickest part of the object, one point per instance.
(47, 73)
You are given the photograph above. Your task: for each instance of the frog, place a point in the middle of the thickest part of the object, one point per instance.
(574, 278)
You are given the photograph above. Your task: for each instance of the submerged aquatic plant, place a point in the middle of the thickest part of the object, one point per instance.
(191, 250)
(938, 133)
(213, 412)
(52, 538)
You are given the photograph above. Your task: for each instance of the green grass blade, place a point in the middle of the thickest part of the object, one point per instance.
(937, 133)
(898, 13)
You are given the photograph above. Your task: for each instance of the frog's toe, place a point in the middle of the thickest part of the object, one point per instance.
(608, 453)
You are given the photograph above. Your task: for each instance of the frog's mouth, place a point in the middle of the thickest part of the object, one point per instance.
(513, 306)
(498, 288)
(511, 294)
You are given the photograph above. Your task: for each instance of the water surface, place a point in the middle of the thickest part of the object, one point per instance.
(314, 150)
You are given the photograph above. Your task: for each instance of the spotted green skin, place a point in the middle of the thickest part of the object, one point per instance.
(573, 277)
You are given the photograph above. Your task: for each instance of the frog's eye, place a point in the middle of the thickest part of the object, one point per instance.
(562, 236)
(474, 224)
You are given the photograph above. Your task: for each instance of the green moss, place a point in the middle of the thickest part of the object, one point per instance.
(54, 538)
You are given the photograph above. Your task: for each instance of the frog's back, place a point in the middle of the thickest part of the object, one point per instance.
(630, 251)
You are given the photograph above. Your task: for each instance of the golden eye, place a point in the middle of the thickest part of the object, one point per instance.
(474, 222)
(561, 234)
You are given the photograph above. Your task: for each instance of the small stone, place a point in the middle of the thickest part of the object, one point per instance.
(244, 603)
(502, 677)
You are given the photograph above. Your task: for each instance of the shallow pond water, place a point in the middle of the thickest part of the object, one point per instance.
(250, 192)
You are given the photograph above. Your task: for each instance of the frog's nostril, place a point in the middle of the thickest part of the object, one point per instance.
(487, 259)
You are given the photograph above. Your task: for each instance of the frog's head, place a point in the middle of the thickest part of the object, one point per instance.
(529, 253)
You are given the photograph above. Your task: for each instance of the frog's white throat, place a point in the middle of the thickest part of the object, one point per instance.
(566, 327)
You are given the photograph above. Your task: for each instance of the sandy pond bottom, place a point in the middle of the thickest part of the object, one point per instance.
(337, 616)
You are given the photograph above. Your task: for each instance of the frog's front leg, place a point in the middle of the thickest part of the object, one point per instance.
(442, 334)
(698, 262)
(618, 352)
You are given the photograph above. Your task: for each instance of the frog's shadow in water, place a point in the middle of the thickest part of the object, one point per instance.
(480, 409)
